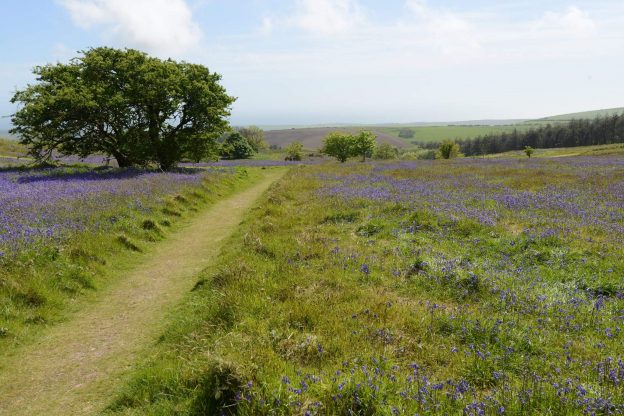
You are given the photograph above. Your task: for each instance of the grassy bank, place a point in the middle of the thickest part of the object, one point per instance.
(475, 287)
(600, 150)
(68, 232)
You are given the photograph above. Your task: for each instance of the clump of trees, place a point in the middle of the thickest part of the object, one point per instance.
(124, 104)
(342, 146)
(254, 136)
(406, 133)
(528, 150)
(582, 132)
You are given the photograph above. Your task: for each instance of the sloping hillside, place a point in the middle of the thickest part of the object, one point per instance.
(312, 138)
(584, 114)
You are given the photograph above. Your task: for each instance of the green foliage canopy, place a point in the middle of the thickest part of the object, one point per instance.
(448, 149)
(364, 144)
(125, 104)
(236, 146)
(294, 151)
(342, 146)
(338, 145)
(385, 151)
(254, 136)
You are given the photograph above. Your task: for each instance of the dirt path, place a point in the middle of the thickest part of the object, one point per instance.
(76, 367)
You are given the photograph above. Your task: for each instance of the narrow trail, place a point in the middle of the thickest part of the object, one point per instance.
(77, 365)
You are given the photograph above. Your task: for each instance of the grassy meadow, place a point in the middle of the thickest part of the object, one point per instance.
(67, 232)
(425, 134)
(472, 286)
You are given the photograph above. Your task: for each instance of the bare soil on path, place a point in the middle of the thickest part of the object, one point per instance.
(76, 366)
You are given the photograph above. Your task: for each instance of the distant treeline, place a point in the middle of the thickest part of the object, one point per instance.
(582, 132)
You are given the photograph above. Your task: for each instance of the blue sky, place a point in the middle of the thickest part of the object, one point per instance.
(331, 61)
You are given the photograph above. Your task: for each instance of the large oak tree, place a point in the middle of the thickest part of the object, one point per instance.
(124, 104)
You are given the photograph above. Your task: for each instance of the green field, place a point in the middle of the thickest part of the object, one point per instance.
(439, 133)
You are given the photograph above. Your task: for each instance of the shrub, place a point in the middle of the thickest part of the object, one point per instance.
(385, 151)
(427, 155)
(448, 149)
(294, 151)
(236, 146)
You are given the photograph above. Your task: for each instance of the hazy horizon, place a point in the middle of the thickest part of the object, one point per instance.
(323, 62)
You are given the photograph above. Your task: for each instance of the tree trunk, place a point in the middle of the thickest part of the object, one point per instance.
(122, 161)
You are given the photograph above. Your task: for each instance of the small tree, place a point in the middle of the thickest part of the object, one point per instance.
(338, 145)
(528, 150)
(385, 151)
(294, 151)
(448, 149)
(236, 146)
(255, 137)
(364, 144)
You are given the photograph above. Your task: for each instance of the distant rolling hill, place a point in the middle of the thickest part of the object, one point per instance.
(312, 138)
(584, 114)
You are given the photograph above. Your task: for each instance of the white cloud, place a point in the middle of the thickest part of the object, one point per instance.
(327, 17)
(417, 6)
(449, 33)
(470, 37)
(267, 25)
(572, 22)
(158, 26)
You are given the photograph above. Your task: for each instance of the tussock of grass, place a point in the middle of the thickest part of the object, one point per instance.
(171, 212)
(127, 243)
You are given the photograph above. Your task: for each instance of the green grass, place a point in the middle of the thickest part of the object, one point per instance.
(440, 133)
(11, 148)
(330, 305)
(39, 287)
(267, 154)
(600, 150)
